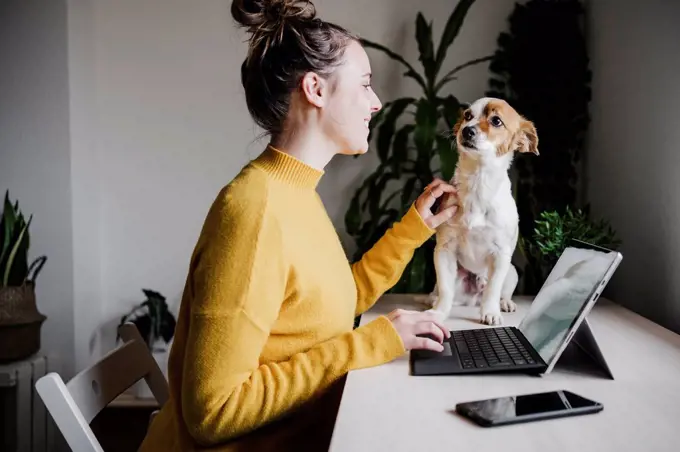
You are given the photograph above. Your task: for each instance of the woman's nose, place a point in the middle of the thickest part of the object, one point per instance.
(376, 104)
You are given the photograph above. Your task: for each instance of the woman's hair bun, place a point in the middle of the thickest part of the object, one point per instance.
(287, 40)
(267, 16)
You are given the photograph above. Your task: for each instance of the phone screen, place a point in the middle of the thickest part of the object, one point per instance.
(504, 409)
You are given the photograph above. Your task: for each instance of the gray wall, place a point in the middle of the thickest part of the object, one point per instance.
(34, 152)
(634, 148)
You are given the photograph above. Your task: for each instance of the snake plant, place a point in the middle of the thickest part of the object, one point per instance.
(14, 245)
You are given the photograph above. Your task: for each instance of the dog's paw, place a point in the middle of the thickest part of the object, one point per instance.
(508, 305)
(491, 317)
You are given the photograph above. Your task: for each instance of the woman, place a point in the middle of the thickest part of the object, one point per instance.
(265, 327)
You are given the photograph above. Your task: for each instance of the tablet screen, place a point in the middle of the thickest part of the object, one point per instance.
(565, 293)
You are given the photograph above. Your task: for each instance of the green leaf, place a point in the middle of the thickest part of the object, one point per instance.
(448, 157)
(407, 192)
(374, 201)
(450, 110)
(8, 221)
(411, 71)
(450, 75)
(451, 30)
(426, 128)
(425, 47)
(386, 129)
(400, 148)
(15, 258)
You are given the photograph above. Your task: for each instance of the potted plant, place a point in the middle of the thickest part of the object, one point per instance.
(413, 153)
(552, 235)
(20, 320)
(156, 324)
(541, 67)
(153, 319)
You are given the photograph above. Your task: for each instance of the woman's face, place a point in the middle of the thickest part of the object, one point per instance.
(351, 102)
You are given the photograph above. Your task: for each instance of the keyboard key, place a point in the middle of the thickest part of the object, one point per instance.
(461, 346)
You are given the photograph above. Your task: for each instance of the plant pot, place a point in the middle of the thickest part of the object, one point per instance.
(20, 322)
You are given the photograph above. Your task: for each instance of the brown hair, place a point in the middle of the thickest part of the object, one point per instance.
(287, 40)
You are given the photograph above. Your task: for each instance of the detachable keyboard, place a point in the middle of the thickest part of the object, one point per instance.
(482, 350)
(491, 347)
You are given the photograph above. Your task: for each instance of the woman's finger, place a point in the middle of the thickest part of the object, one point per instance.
(432, 317)
(444, 187)
(430, 329)
(442, 216)
(424, 343)
(436, 181)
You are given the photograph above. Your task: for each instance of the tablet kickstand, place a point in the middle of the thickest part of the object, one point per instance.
(584, 345)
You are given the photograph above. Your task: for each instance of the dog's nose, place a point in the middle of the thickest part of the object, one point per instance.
(469, 132)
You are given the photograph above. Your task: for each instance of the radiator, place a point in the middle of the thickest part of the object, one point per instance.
(24, 421)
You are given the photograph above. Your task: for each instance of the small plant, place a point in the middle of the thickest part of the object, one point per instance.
(152, 318)
(15, 242)
(412, 153)
(552, 235)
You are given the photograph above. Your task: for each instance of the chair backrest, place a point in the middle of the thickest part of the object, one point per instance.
(75, 404)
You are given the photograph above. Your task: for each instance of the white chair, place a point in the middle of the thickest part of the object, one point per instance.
(75, 404)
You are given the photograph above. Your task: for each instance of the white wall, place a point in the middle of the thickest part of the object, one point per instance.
(633, 148)
(34, 152)
(159, 125)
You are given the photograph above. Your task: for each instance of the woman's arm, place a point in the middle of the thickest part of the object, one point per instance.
(381, 267)
(238, 281)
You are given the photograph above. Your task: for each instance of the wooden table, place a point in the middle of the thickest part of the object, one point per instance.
(385, 408)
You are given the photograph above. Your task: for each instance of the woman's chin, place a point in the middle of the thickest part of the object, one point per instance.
(355, 151)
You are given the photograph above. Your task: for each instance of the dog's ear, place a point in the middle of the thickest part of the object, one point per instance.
(456, 127)
(527, 138)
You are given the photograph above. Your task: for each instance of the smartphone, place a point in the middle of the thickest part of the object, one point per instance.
(527, 408)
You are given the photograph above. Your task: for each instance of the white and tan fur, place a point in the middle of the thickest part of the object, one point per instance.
(482, 236)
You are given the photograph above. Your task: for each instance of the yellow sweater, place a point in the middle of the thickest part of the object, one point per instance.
(265, 325)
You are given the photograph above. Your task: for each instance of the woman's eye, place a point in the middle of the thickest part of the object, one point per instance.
(496, 121)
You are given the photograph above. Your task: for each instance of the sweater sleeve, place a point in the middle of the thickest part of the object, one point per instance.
(381, 267)
(239, 283)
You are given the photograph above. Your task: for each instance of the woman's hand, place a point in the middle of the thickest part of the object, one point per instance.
(426, 200)
(411, 323)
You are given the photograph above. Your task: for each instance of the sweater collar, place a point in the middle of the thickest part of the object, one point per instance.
(286, 168)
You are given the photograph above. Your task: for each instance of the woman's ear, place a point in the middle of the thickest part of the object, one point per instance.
(314, 89)
(527, 140)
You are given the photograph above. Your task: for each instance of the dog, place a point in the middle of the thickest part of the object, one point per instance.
(473, 251)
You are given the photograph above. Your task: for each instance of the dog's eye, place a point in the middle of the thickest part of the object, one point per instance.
(496, 121)
(467, 116)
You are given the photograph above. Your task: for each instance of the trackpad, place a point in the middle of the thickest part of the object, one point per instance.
(447, 349)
